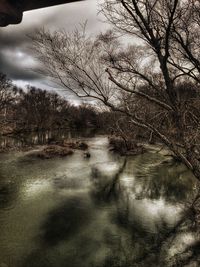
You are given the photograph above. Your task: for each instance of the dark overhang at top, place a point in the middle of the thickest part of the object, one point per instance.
(11, 11)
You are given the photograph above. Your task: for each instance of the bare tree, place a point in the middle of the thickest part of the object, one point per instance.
(154, 82)
(169, 33)
(71, 59)
(7, 92)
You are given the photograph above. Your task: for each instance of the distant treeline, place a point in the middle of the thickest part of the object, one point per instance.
(35, 109)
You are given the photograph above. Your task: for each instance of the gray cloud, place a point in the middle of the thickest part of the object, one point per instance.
(17, 65)
(15, 57)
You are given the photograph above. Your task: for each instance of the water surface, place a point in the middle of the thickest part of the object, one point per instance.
(105, 211)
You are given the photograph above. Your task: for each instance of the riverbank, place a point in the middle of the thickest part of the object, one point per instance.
(58, 149)
(40, 139)
(133, 148)
(62, 146)
(51, 149)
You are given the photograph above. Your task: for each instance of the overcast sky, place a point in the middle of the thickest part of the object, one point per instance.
(15, 58)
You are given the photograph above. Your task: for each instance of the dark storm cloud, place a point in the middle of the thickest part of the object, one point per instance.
(16, 59)
(12, 39)
(10, 65)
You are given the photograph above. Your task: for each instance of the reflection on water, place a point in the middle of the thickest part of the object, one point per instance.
(105, 211)
(41, 137)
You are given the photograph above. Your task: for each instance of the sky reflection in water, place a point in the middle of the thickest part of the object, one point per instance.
(103, 211)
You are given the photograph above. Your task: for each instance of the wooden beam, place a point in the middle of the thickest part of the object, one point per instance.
(30, 5)
(11, 11)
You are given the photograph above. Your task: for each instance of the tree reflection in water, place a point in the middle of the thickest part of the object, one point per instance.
(174, 243)
(8, 190)
(138, 213)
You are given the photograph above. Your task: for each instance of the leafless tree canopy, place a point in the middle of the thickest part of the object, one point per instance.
(154, 82)
(7, 92)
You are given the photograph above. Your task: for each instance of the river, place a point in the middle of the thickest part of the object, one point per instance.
(102, 211)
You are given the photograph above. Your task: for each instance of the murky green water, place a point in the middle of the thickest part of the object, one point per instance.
(105, 211)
